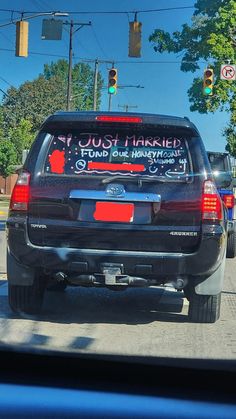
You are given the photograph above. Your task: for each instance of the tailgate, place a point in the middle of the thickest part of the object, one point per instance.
(117, 189)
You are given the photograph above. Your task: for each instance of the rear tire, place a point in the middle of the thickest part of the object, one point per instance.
(231, 245)
(204, 308)
(26, 298)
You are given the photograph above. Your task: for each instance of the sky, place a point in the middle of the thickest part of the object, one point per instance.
(164, 86)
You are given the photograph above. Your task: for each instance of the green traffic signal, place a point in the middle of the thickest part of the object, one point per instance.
(111, 90)
(112, 81)
(207, 90)
(208, 82)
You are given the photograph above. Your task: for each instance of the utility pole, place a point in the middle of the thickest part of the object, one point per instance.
(69, 78)
(126, 107)
(95, 85)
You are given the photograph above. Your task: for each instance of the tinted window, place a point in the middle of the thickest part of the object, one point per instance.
(132, 153)
(218, 161)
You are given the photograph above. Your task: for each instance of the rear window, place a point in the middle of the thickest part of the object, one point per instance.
(218, 162)
(117, 152)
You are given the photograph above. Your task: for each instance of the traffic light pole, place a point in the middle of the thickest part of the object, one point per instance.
(109, 102)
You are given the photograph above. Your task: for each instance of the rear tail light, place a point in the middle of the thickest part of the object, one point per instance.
(211, 202)
(21, 193)
(228, 200)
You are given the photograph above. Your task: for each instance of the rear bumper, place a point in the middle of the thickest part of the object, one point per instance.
(154, 265)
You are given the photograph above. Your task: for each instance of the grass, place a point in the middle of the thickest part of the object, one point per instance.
(4, 203)
(4, 200)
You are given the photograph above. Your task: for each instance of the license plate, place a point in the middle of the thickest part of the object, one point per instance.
(114, 211)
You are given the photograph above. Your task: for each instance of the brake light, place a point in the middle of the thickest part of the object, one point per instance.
(21, 193)
(129, 119)
(211, 202)
(228, 200)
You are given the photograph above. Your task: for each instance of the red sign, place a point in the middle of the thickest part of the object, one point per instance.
(227, 72)
(116, 166)
(114, 211)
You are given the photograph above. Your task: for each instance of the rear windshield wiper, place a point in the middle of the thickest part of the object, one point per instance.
(135, 178)
(140, 179)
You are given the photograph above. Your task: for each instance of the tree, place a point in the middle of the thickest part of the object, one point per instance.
(21, 137)
(211, 37)
(35, 100)
(7, 159)
(32, 101)
(82, 83)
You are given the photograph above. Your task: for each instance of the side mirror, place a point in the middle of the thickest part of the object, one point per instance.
(222, 179)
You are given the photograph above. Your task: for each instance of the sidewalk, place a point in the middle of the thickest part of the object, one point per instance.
(3, 212)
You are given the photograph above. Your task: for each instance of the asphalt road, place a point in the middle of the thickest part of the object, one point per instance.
(149, 322)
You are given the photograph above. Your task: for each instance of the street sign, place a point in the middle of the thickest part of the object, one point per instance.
(52, 30)
(228, 72)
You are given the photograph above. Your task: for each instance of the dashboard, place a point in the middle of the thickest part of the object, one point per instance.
(43, 384)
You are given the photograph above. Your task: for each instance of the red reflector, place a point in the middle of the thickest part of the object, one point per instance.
(113, 211)
(107, 118)
(116, 166)
(228, 200)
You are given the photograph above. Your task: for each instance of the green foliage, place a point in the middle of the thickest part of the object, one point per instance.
(1, 122)
(21, 137)
(210, 37)
(7, 158)
(82, 83)
(35, 100)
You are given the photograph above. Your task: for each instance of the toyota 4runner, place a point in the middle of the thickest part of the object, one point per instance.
(117, 200)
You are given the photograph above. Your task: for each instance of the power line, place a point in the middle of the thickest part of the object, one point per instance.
(5, 81)
(127, 107)
(105, 11)
(91, 60)
(98, 42)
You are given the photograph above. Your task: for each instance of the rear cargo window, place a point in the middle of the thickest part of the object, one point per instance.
(110, 152)
(218, 161)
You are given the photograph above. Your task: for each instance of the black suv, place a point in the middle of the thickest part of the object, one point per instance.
(117, 200)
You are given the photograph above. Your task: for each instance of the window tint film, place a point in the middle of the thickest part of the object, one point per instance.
(118, 152)
(218, 161)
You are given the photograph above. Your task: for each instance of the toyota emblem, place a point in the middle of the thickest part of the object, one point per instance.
(114, 189)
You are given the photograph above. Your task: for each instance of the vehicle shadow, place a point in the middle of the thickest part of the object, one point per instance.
(131, 307)
(93, 305)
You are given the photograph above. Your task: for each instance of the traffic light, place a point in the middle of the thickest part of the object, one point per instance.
(22, 31)
(208, 82)
(135, 39)
(112, 81)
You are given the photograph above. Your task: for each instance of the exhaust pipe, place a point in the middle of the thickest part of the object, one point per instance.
(83, 280)
(180, 283)
(135, 282)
